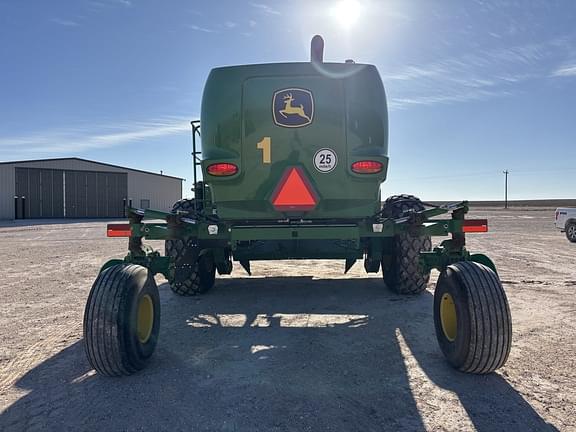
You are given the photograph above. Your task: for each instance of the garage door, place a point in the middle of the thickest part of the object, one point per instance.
(95, 194)
(39, 193)
(43, 193)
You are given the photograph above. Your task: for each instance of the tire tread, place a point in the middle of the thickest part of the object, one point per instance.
(104, 321)
(176, 248)
(405, 276)
(490, 341)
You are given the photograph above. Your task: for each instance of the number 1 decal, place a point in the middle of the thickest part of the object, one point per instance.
(264, 145)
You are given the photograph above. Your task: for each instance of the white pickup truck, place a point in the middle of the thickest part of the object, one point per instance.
(566, 222)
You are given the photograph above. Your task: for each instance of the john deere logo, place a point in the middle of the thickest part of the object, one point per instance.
(293, 107)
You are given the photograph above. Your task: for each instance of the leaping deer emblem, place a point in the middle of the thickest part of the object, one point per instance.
(289, 109)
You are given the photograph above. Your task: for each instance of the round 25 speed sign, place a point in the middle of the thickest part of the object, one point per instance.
(325, 160)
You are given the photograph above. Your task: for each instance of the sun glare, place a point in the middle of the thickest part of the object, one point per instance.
(346, 13)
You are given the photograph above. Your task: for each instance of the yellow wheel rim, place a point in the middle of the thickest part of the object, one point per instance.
(448, 317)
(145, 319)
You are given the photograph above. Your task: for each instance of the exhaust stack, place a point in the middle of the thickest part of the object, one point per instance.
(317, 49)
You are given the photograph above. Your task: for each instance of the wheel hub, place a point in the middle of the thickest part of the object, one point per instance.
(448, 317)
(145, 319)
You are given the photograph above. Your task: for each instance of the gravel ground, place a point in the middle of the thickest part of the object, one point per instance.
(297, 347)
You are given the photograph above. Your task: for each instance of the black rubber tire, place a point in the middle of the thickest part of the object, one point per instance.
(111, 340)
(177, 248)
(570, 230)
(405, 275)
(482, 333)
(202, 273)
(201, 280)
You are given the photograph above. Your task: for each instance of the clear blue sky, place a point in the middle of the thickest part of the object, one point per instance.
(474, 87)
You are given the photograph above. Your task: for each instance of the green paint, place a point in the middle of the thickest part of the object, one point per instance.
(350, 117)
(483, 259)
(267, 118)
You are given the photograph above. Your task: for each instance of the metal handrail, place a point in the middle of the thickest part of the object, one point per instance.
(196, 161)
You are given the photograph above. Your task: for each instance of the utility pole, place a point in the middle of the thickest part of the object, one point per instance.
(506, 172)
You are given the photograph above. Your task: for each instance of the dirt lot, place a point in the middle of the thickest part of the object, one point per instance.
(297, 347)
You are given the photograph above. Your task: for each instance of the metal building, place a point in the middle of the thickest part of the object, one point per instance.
(80, 188)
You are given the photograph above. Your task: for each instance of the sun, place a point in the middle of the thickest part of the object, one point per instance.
(346, 13)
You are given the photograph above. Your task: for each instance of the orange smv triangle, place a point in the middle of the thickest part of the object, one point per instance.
(294, 193)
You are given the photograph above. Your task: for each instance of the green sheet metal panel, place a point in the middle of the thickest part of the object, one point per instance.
(345, 114)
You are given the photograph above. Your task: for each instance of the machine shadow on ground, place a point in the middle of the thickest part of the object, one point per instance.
(272, 354)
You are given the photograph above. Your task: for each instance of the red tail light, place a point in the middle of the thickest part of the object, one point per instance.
(222, 169)
(475, 226)
(118, 230)
(367, 167)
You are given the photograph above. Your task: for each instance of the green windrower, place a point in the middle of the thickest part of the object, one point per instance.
(292, 159)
